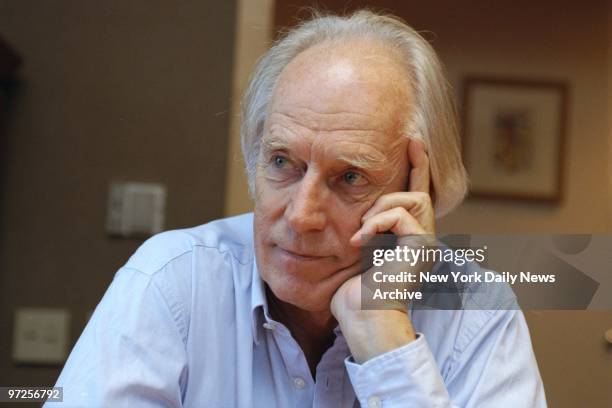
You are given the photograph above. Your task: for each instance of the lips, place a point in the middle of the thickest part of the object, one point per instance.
(301, 256)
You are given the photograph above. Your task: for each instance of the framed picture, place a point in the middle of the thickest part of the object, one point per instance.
(513, 138)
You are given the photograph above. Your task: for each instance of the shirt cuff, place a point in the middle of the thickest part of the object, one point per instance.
(405, 376)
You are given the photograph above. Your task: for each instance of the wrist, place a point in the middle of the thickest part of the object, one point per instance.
(370, 333)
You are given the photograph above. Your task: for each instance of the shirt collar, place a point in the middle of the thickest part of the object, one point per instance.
(259, 306)
(259, 303)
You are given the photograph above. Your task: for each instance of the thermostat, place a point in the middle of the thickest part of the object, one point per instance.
(135, 209)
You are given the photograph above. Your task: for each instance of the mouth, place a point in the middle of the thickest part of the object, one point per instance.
(299, 255)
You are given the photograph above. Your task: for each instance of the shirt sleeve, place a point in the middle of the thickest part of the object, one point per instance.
(131, 353)
(495, 368)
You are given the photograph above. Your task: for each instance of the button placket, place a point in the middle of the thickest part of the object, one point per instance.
(299, 383)
(291, 354)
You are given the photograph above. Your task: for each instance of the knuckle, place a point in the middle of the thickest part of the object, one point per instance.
(424, 198)
(385, 200)
(401, 211)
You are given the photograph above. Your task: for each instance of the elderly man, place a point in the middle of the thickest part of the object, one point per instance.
(348, 130)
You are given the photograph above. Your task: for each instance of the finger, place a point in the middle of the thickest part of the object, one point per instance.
(397, 220)
(419, 162)
(416, 202)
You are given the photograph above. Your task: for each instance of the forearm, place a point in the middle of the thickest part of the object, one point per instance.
(370, 333)
(403, 377)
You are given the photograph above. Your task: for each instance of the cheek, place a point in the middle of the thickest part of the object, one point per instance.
(347, 223)
(267, 200)
(268, 210)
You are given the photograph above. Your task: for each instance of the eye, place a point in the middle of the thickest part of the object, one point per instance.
(281, 168)
(279, 161)
(354, 179)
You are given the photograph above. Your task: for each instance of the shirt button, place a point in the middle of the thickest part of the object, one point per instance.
(374, 402)
(299, 383)
(268, 326)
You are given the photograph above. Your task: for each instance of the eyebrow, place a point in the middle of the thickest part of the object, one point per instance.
(373, 160)
(274, 143)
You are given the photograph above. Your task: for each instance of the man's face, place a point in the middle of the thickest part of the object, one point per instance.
(332, 144)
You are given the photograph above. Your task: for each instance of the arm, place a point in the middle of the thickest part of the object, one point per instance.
(494, 368)
(392, 365)
(131, 353)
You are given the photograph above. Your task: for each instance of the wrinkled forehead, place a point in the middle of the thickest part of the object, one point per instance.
(360, 79)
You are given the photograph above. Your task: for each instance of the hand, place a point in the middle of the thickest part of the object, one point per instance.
(373, 332)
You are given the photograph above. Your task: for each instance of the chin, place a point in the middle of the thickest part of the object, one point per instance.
(306, 284)
(308, 296)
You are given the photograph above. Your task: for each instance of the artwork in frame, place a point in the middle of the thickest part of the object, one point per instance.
(513, 138)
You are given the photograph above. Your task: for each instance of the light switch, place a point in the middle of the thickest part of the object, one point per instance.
(135, 209)
(40, 335)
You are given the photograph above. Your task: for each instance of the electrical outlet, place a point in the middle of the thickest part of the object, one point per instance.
(40, 335)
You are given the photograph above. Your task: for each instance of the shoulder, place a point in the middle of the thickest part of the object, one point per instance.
(191, 266)
(231, 236)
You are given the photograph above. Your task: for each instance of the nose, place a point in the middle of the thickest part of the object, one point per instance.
(306, 209)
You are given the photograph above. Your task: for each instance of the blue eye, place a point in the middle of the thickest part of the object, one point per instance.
(353, 178)
(279, 161)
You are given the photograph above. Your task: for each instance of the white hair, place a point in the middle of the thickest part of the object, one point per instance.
(433, 116)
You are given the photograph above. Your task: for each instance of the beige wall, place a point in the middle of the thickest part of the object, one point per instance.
(132, 90)
(559, 40)
(253, 36)
(550, 40)
(609, 111)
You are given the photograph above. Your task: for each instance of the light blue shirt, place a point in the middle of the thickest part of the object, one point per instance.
(185, 323)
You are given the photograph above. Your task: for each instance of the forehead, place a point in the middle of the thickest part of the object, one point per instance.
(350, 85)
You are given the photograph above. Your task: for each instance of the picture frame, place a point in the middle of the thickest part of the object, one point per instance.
(514, 134)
